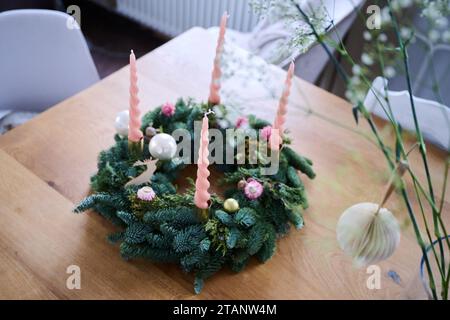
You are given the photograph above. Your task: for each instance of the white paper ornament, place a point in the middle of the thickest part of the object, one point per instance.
(162, 146)
(121, 123)
(367, 235)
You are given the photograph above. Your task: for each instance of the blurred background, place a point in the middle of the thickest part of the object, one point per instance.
(112, 27)
(109, 28)
(109, 34)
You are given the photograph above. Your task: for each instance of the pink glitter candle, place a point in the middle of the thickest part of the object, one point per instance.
(202, 195)
(280, 118)
(134, 124)
(214, 88)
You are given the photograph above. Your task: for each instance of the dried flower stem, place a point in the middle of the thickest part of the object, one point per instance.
(385, 151)
(400, 169)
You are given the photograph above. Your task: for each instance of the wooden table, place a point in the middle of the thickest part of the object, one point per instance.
(45, 170)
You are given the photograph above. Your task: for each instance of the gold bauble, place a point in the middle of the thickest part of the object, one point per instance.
(231, 205)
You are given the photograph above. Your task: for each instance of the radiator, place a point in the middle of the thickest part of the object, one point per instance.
(172, 17)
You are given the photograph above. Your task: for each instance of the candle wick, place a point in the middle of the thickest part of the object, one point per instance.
(132, 52)
(209, 112)
(398, 172)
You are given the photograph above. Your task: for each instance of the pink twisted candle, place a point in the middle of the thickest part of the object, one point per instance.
(134, 124)
(202, 195)
(280, 118)
(214, 87)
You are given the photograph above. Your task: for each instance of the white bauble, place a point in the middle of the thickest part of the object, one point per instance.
(121, 124)
(366, 236)
(162, 146)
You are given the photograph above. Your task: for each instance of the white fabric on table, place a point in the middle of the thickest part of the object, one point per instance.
(270, 39)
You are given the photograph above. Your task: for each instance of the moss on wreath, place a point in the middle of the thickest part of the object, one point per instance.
(168, 228)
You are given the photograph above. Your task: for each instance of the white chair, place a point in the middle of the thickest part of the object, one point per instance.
(44, 59)
(433, 118)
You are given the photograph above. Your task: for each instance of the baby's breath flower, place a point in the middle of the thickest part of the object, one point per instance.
(356, 69)
(432, 11)
(446, 36)
(349, 94)
(395, 5)
(405, 32)
(442, 22)
(385, 16)
(406, 3)
(355, 80)
(382, 37)
(434, 36)
(366, 59)
(389, 72)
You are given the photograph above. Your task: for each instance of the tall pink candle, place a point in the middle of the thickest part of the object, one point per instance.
(202, 195)
(280, 118)
(134, 124)
(214, 87)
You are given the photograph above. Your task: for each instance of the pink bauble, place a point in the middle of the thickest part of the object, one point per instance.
(266, 132)
(241, 122)
(168, 109)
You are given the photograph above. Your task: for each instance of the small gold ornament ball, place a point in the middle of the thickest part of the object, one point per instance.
(231, 205)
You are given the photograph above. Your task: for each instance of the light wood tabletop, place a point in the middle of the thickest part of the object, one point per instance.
(46, 165)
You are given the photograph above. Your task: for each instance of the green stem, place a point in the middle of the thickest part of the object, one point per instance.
(433, 207)
(430, 239)
(420, 242)
(345, 77)
(444, 187)
(419, 135)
